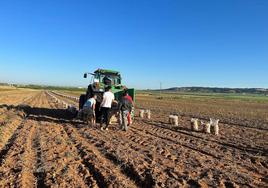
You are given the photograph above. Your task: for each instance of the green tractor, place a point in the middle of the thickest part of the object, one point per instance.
(100, 79)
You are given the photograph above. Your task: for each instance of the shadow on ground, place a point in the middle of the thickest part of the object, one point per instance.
(43, 114)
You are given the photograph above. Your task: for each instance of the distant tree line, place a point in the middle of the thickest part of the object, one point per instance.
(219, 90)
(4, 84)
(173, 89)
(32, 86)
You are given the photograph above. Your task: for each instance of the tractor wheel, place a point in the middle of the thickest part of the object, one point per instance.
(82, 100)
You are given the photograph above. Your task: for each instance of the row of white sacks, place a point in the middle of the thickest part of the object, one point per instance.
(207, 127)
(65, 96)
(65, 105)
(145, 114)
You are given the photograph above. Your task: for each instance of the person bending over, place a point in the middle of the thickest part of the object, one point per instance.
(89, 110)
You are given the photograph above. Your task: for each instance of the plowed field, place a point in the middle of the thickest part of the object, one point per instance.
(42, 146)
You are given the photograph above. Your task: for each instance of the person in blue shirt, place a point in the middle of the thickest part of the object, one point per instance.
(89, 110)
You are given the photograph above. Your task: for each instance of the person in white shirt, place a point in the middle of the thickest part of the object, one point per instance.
(89, 110)
(106, 105)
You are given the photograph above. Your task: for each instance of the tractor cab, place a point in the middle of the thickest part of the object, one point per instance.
(108, 77)
(102, 78)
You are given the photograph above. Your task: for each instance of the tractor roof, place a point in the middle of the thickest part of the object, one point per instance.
(106, 71)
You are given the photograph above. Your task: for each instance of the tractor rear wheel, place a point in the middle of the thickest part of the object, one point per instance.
(82, 100)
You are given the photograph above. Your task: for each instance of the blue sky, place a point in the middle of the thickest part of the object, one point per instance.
(220, 43)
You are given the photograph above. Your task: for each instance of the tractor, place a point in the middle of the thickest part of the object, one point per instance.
(100, 79)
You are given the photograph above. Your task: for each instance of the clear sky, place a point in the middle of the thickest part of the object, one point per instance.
(220, 43)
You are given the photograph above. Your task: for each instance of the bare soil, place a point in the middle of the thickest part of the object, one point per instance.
(42, 146)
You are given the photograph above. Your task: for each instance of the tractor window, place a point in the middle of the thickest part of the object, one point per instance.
(115, 80)
(102, 78)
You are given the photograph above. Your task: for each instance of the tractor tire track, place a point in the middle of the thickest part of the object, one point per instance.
(10, 143)
(16, 168)
(39, 172)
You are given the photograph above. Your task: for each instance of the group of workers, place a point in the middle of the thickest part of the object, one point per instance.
(125, 106)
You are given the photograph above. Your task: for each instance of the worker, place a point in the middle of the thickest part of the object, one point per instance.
(125, 107)
(89, 110)
(106, 105)
(128, 97)
(96, 85)
(107, 81)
